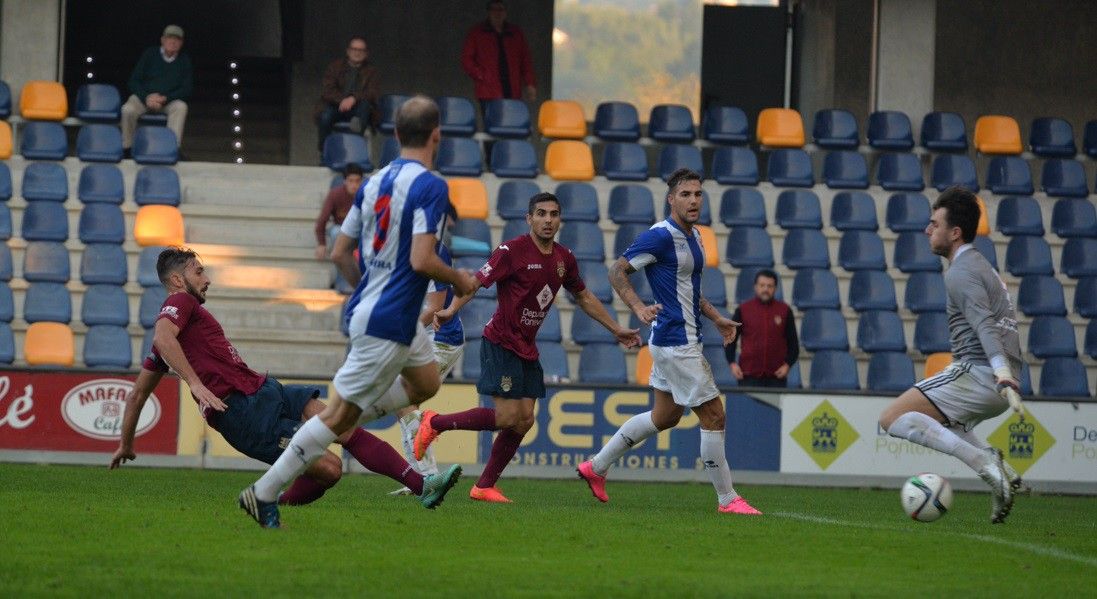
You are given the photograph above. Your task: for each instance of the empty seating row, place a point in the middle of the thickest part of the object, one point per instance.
(98, 142)
(98, 183)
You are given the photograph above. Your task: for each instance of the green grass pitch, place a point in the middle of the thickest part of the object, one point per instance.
(78, 531)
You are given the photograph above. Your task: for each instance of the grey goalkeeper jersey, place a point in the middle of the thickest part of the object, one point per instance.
(981, 320)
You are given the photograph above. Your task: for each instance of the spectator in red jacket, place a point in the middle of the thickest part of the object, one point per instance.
(496, 57)
(336, 206)
(770, 345)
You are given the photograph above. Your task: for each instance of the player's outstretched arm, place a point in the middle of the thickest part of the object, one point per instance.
(594, 308)
(135, 401)
(728, 328)
(342, 254)
(166, 342)
(424, 260)
(618, 278)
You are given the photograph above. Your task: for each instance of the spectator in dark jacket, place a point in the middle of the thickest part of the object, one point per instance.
(496, 57)
(348, 91)
(161, 82)
(768, 331)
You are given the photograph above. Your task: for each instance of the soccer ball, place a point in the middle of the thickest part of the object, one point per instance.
(926, 497)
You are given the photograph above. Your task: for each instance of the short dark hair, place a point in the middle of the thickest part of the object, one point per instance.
(678, 176)
(353, 168)
(416, 119)
(767, 273)
(544, 196)
(172, 260)
(961, 210)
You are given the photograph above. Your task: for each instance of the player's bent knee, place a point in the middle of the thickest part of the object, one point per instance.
(327, 470)
(666, 421)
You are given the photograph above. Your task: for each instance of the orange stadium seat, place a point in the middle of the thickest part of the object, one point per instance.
(43, 101)
(469, 198)
(995, 134)
(562, 119)
(937, 362)
(708, 241)
(158, 225)
(5, 140)
(569, 160)
(643, 366)
(984, 222)
(780, 128)
(49, 343)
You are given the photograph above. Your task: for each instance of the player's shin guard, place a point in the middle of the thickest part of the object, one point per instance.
(307, 445)
(633, 431)
(714, 459)
(922, 429)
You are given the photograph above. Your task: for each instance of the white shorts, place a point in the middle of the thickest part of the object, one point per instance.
(447, 357)
(966, 394)
(682, 371)
(374, 363)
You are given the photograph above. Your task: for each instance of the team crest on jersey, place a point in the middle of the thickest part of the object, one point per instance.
(485, 269)
(560, 269)
(505, 383)
(777, 320)
(544, 298)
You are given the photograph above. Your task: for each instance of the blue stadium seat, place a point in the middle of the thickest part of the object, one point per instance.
(43, 141)
(554, 362)
(907, 212)
(725, 125)
(45, 181)
(152, 299)
(798, 209)
(507, 118)
(1090, 344)
(602, 363)
(944, 132)
(890, 372)
(836, 129)
(101, 223)
(1079, 257)
(890, 130)
(789, 168)
(861, 250)
(735, 165)
(98, 102)
(5, 182)
(931, 333)
(925, 292)
(146, 266)
(49, 302)
(744, 284)
(475, 316)
(585, 329)
(45, 221)
(157, 145)
(146, 344)
(714, 287)
(872, 290)
(550, 327)
(1063, 377)
(853, 210)
(1019, 215)
(718, 363)
(7, 304)
(706, 211)
(1052, 137)
(46, 261)
(675, 156)
(387, 107)
(954, 170)
(512, 200)
(742, 207)
(624, 161)
(596, 277)
(1074, 217)
(824, 329)
(1041, 295)
(5, 222)
(1064, 178)
(578, 202)
(101, 183)
(640, 283)
(584, 239)
(834, 370)
(880, 330)
(795, 381)
(987, 249)
(749, 246)
(1052, 336)
(631, 204)
(805, 248)
(103, 263)
(900, 172)
(457, 116)
(99, 143)
(513, 158)
(1028, 256)
(105, 304)
(912, 254)
(845, 169)
(476, 230)
(6, 267)
(1089, 139)
(5, 101)
(341, 149)
(107, 346)
(514, 228)
(671, 123)
(616, 121)
(157, 185)
(815, 288)
(459, 157)
(7, 339)
(1009, 175)
(390, 150)
(1085, 297)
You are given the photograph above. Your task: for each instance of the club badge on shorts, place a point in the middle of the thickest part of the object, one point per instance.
(505, 384)
(560, 269)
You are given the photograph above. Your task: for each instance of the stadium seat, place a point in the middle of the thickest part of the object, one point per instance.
(640, 283)
(146, 344)
(749, 246)
(7, 304)
(584, 239)
(1009, 175)
(1019, 215)
(387, 107)
(890, 372)
(713, 287)
(706, 211)
(98, 102)
(99, 143)
(578, 202)
(850, 210)
(708, 244)
(390, 150)
(585, 329)
(780, 128)
(744, 284)
(46, 261)
(890, 130)
(1089, 139)
(1063, 377)
(1041, 295)
(101, 183)
(341, 149)
(157, 185)
(157, 145)
(671, 123)
(45, 221)
(675, 156)
(834, 370)
(1085, 297)
(43, 101)
(937, 362)
(1064, 178)
(476, 230)
(996, 134)
(475, 316)
(836, 129)
(1090, 344)
(944, 132)
(625, 235)
(617, 121)
(457, 116)
(602, 363)
(643, 366)
(512, 199)
(789, 168)
(900, 172)
(513, 158)
(43, 141)
(954, 170)
(1052, 137)
(596, 277)
(987, 249)
(6, 268)
(925, 292)
(931, 333)
(101, 223)
(795, 381)
(880, 330)
(983, 228)
(5, 141)
(1074, 217)
(550, 327)
(735, 165)
(718, 363)
(907, 212)
(459, 157)
(554, 362)
(158, 225)
(861, 250)
(515, 228)
(107, 346)
(561, 119)
(49, 344)
(805, 248)
(725, 125)
(105, 304)
(631, 204)
(507, 118)
(103, 263)
(872, 290)
(742, 206)
(5, 222)
(845, 169)
(152, 298)
(1052, 336)
(569, 160)
(815, 288)
(1079, 257)
(1028, 256)
(469, 197)
(47, 302)
(912, 254)
(824, 329)
(5, 100)
(624, 161)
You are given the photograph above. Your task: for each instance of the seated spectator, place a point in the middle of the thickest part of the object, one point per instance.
(496, 56)
(336, 206)
(161, 82)
(348, 91)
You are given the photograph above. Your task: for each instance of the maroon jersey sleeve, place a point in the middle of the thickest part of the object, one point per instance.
(498, 266)
(572, 281)
(178, 309)
(154, 362)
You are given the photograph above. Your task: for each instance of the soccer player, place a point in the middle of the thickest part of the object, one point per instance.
(671, 254)
(395, 222)
(529, 271)
(940, 412)
(253, 412)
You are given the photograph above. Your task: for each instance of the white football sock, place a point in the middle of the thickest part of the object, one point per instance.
(714, 459)
(307, 445)
(969, 436)
(390, 402)
(634, 430)
(922, 429)
(409, 425)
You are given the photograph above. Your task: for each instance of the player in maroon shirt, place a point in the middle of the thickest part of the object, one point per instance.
(529, 270)
(253, 412)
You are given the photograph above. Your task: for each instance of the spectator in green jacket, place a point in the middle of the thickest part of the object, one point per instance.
(161, 82)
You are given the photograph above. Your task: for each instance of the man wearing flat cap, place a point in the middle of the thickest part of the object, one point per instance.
(161, 83)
